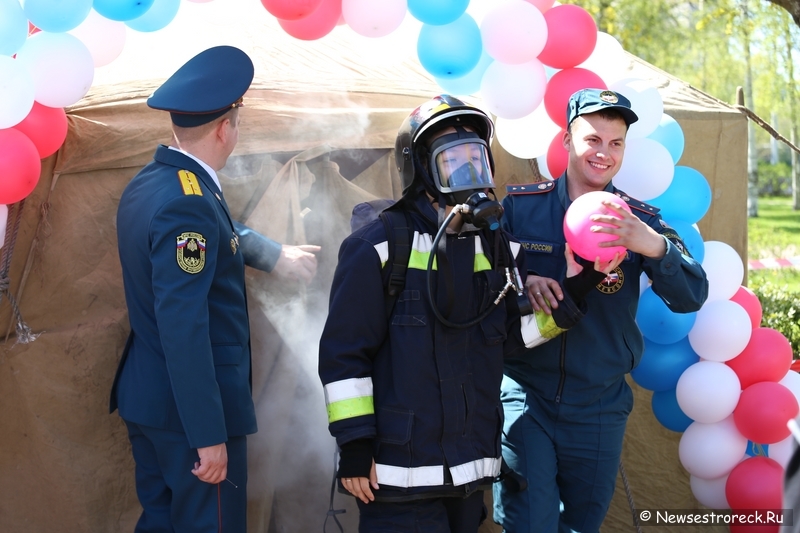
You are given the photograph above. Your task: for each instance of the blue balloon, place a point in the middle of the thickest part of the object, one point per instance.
(451, 50)
(13, 27)
(437, 12)
(469, 84)
(158, 16)
(691, 238)
(657, 323)
(670, 134)
(662, 364)
(668, 412)
(57, 16)
(687, 198)
(122, 10)
(755, 449)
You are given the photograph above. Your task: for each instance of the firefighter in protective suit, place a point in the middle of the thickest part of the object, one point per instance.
(412, 388)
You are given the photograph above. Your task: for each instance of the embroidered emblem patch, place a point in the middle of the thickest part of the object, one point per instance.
(234, 243)
(191, 253)
(613, 282)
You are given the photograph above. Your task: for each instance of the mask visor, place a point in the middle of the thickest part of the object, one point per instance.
(462, 165)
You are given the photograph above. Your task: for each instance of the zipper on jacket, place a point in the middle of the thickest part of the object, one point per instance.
(562, 366)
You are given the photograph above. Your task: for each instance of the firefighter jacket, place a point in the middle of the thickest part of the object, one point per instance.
(427, 395)
(594, 356)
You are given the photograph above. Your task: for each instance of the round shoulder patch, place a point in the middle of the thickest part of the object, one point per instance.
(613, 282)
(191, 252)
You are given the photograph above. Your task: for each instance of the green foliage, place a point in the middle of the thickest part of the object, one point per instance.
(781, 312)
(774, 180)
(775, 232)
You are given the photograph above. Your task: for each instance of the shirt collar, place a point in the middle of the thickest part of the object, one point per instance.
(207, 168)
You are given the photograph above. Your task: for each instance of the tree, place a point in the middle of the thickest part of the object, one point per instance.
(792, 6)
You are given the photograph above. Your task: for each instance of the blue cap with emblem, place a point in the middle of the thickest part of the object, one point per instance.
(205, 87)
(588, 101)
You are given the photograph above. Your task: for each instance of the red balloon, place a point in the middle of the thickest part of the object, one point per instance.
(564, 84)
(763, 410)
(318, 24)
(290, 9)
(20, 166)
(46, 127)
(766, 357)
(571, 36)
(557, 155)
(755, 483)
(748, 299)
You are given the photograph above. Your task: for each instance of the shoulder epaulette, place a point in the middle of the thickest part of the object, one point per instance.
(531, 188)
(189, 183)
(633, 203)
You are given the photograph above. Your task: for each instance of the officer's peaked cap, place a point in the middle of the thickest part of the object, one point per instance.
(588, 101)
(205, 87)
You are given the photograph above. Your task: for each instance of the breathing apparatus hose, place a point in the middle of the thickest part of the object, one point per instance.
(460, 208)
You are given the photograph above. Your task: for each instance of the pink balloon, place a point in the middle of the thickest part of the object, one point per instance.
(748, 299)
(577, 226)
(766, 357)
(20, 166)
(755, 483)
(762, 413)
(318, 24)
(46, 127)
(290, 9)
(557, 155)
(564, 84)
(571, 36)
(542, 5)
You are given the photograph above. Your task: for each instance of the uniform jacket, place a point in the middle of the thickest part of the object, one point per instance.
(427, 394)
(186, 366)
(594, 356)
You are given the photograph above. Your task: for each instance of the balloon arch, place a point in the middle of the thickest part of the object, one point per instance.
(716, 375)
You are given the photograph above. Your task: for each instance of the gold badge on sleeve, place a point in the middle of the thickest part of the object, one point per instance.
(191, 253)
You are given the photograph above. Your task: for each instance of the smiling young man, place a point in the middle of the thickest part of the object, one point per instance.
(566, 402)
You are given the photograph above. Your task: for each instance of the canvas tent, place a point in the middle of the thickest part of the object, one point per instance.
(317, 136)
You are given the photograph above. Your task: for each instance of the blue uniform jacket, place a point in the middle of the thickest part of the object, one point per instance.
(594, 356)
(186, 366)
(427, 395)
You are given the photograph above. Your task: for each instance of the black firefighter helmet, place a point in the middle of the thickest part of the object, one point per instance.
(455, 164)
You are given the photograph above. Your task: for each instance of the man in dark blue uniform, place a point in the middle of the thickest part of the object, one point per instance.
(412, 388)
(566, 402)
(183, 384)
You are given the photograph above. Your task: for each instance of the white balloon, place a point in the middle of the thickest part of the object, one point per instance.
(541, 162)
(644, 283)
(374, 19)
(792, 382)
(608, 60)
(708, 392)
(104, 38)
(514, 32)
(61, 66)
(3, 223)
(724, 269)
(527, 137)
(710, 451)
(647, 169)
(16, 92)
(721, 330)
(782, 451)
(710, 492)
(513, 91)
(646, 102)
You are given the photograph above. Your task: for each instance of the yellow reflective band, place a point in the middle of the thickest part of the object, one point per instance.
(419, 260)
(547, 325)
(481, 263)
(350, 408)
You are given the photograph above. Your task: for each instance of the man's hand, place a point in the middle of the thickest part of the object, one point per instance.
(632, 233)
(213, 465)
(360, 486)
(297, 263)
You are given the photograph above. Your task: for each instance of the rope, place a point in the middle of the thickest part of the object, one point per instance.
(629, 494)
(24, 334)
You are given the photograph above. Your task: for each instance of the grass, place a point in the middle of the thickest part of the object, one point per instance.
(775, 232)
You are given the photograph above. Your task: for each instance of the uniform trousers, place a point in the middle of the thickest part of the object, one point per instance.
(434, 515)
(568, 453)
(173, 499)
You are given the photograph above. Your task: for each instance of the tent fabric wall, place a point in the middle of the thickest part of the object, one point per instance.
(65, 463)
